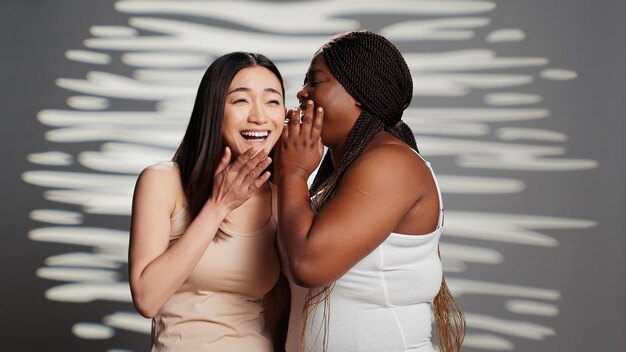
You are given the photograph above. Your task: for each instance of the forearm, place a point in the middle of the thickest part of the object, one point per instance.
(300, 152)
(160, 279)
(296, 216)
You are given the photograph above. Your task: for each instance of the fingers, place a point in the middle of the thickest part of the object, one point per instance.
(255, 178)
(258, 169)
(316, 131)
(294, 123)
(289, 117)
(236, 182)
(300, 142)
(312, 121)
(251, 168)
(320, 147)
(243, 159)
(259, 181)
(307, 119)
(224, 161)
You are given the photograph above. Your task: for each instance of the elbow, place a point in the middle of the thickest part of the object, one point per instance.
(145, 306)
(145, 310)
(307, 274)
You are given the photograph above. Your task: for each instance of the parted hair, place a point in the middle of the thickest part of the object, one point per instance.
(201, 149)
(372, 70)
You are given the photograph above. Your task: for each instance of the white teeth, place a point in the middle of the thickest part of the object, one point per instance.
(255, 134)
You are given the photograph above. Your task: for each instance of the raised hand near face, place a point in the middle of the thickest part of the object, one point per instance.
(236, 182)
(300, 148)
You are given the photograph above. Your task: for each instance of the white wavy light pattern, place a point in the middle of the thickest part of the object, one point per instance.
(168, 57)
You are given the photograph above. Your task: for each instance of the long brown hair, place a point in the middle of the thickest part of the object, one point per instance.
(201, 149)
(373, 71)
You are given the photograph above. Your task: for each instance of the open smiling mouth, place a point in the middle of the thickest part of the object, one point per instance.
(255, 136)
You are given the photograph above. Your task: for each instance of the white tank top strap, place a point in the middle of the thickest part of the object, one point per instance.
(441, 216)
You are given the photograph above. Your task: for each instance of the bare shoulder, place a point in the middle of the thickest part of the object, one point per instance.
(165, 173)
(162, 181)
(392, 162)
(163, 167)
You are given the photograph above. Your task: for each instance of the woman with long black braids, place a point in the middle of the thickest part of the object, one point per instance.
(362, 259)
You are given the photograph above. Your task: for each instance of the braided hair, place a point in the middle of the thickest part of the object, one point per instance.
(372, 70)
(374, 73)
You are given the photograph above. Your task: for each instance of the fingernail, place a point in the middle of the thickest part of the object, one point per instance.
(310, 102)
(319, 108)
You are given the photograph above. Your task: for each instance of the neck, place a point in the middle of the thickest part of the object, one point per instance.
(336, 154)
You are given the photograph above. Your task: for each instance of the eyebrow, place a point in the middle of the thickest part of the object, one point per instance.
(310, 72)
(246, 89)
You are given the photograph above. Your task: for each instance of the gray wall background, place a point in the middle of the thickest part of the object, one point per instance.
(565, 290)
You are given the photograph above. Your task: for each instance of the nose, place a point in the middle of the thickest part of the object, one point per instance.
(303, 94)
(257, 114)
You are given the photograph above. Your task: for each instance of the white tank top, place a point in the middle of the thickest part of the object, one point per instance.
(383, 303)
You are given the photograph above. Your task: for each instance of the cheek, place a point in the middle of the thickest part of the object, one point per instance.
(278, 120)
(230, 124)
(277, 116)
(327, 130)
(230, 118)
(277, 131)
(330, 99)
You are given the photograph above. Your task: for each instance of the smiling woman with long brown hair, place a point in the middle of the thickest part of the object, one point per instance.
(362, 259)
(202, 255)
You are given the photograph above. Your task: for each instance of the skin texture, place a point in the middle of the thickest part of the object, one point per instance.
(368, 204)
(156, 269)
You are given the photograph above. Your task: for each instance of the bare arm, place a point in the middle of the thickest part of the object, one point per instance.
(374, 195)
(156, 270)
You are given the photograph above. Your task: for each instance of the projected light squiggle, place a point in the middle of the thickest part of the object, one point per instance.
(168, 46)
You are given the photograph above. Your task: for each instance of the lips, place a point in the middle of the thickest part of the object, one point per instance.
(255, 136)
